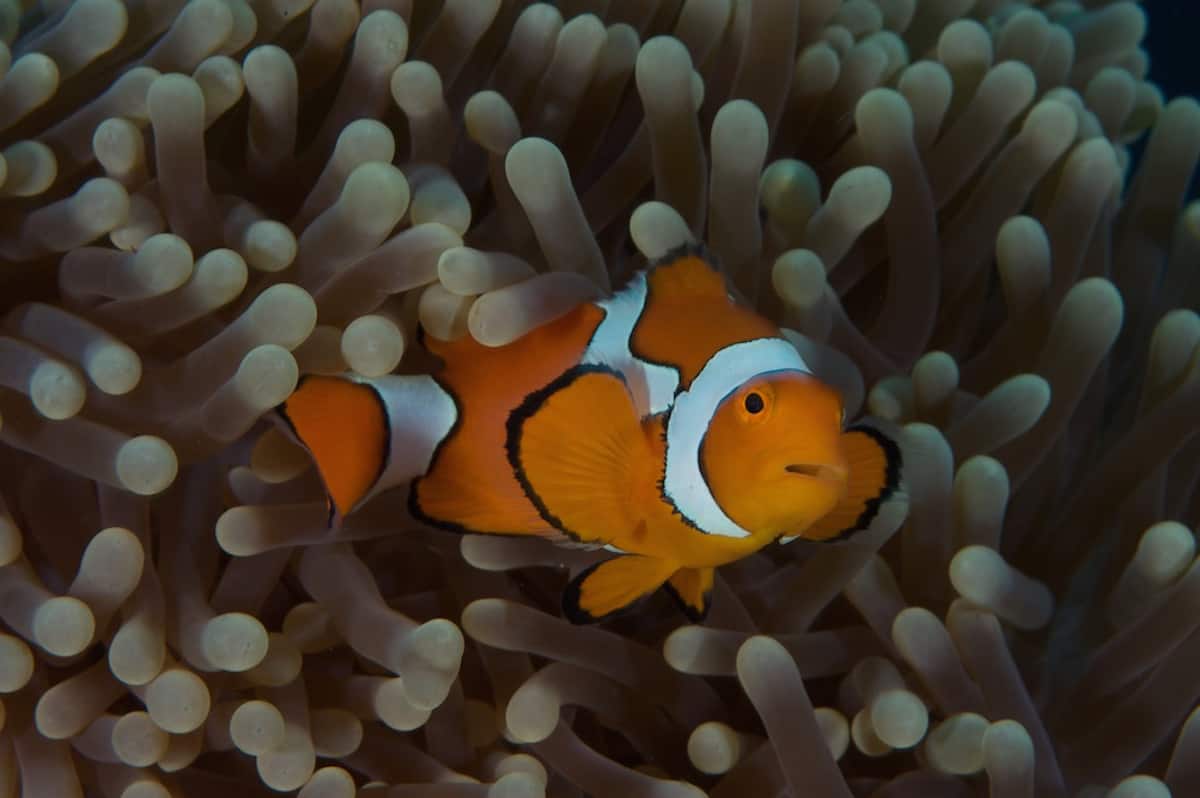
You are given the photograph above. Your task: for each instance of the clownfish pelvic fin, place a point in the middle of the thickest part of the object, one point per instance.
(367, 435)
(613, 585)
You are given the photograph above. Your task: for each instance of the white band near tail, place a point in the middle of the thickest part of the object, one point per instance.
(420, 414)
(683, 482)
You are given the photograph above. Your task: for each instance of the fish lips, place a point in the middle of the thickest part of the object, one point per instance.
(821, 471)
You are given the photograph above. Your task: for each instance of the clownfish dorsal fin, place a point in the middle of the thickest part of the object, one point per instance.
(343, 424)
(692, 590)
(577, 447)
(687, 272)
(874, 476)
(450, 351)
(613, 585)
(690, 315)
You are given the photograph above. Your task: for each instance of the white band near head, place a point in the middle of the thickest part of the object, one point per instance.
(683, 483)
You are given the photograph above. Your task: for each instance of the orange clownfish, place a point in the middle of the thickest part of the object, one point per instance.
(666, 423)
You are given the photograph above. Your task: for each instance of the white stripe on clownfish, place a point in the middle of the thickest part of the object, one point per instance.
(429, 414)
(652, 385)
(684, 484)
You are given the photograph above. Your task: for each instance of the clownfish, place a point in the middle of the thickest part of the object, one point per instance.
(666, 423)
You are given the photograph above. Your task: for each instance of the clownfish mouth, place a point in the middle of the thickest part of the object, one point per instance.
(825, 473)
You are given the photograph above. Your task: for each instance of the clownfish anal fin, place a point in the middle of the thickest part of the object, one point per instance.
(692, 590)
(613, 585)
(875, 463)
(343, 424)
(575, 447)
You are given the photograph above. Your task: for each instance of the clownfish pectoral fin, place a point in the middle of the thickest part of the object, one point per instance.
(613, 585)
(874, 476)
(692, 590)
(343, 424)
(576, 447)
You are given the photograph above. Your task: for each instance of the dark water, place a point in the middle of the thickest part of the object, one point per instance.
(1171, 41)
(1172, 44)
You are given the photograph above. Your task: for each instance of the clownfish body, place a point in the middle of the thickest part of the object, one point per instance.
(665, 423)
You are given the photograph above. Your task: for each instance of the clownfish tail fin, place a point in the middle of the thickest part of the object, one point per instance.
(368, 435)
(874, 477)
(343, 424)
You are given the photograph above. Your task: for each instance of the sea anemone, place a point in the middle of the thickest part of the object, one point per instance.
(204, 200)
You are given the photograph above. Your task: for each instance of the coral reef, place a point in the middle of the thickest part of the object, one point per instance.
(203, 200)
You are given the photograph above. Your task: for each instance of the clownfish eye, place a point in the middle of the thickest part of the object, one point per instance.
(753, 403)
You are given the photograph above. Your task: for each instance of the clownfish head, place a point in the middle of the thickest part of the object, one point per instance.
(773, 456)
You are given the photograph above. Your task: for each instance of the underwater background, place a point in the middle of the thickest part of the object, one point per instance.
(1171, 62)
(974, 218)
(1166, 41)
